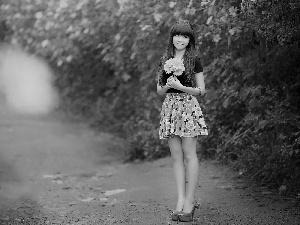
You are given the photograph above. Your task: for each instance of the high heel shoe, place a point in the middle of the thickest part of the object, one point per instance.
(187, 217)
(175, 215)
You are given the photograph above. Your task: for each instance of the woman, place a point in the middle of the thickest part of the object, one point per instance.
(181, 116)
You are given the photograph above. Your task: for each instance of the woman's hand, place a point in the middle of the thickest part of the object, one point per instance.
(170, 82)
(173, 82)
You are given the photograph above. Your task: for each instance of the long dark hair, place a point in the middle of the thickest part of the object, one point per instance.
(183, 27)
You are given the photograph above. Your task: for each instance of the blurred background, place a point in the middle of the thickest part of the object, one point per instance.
(97, 59)
(26, 82)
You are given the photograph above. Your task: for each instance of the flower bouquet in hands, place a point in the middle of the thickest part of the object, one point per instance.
(175, 67)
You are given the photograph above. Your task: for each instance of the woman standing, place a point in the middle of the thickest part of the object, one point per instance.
(180, 77)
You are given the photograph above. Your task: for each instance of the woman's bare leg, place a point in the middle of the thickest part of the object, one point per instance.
(178, 167)
(192, 168)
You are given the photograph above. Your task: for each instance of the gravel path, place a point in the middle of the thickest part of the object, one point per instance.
(57, 171)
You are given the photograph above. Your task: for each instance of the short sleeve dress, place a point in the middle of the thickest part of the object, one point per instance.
(181, 114)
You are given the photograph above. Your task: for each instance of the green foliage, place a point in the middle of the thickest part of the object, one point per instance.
(278, 21)
(68, 35)
(106, 55)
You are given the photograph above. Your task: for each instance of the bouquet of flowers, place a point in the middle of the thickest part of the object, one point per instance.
(174, 65)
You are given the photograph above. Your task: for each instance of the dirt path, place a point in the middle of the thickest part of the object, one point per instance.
(58, 172)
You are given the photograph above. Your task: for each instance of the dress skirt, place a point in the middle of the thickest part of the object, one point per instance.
(181, 115)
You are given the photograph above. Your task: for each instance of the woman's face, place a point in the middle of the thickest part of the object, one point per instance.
(180, 41)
